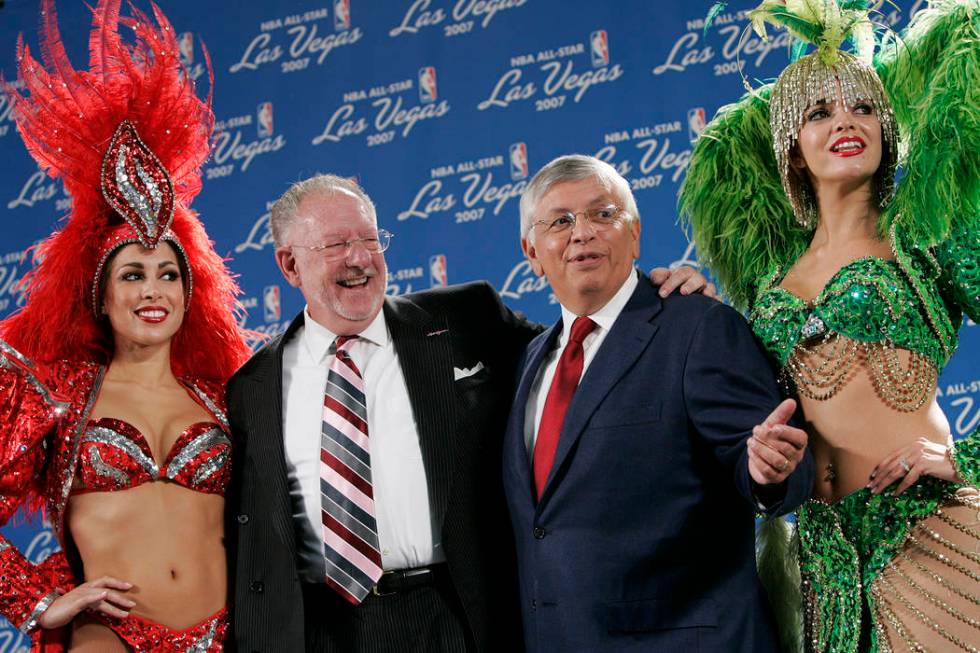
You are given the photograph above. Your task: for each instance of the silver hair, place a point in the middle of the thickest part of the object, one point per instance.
(574, 167)
(284, 210)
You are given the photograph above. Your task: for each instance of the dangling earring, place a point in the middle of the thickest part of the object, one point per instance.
(804, 204)
(809, 202)
(885, 182)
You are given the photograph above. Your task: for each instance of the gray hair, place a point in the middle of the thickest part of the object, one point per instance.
(574, 167)
(284, 210)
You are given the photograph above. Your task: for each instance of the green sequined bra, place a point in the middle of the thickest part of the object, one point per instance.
(869, 309)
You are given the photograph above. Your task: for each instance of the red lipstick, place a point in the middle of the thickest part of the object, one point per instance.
(152, 314)
(854, 145)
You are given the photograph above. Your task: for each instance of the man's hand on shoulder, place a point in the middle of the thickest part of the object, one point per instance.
(684, 277)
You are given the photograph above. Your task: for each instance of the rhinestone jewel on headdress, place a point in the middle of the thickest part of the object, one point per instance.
(813, 327)
(137, 186)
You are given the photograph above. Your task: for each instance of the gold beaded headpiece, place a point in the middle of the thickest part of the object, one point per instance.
(828, 74)
(807, 82)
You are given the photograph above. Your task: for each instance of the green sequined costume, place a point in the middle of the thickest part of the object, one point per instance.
(913, 302)
(746, 233)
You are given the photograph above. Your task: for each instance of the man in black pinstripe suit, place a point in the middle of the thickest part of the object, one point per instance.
(438, 373)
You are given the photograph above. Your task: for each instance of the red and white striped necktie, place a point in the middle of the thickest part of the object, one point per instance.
(350, 531)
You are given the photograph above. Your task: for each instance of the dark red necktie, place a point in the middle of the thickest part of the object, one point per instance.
(560, 395)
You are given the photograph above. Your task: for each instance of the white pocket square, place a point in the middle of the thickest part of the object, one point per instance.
(466, 371)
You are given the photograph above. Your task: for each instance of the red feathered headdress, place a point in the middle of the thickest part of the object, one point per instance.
(128, 137)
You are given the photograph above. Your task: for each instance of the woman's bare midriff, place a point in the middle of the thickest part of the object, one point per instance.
(853, 431)
(164, 539)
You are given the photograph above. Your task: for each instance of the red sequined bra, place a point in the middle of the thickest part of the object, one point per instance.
(114, 455)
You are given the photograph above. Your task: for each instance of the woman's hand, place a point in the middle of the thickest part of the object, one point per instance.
(684, 277)
(922, 457)
(105, 595)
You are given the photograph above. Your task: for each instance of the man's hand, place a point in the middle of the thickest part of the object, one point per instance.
(775, 448)
(686, 278)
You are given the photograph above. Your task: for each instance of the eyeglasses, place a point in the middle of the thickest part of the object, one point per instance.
(600, 218)
(374, 244)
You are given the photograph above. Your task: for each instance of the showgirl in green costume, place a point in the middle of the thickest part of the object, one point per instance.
(857, 289)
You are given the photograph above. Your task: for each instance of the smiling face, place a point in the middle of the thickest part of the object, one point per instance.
(144, 295)
(584, 265)
(343, 295)
(839, 144)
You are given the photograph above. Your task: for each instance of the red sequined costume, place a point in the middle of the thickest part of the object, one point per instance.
(128, 138)
(44, 412)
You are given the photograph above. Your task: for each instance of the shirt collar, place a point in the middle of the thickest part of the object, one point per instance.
(605, 316)
(317, 338)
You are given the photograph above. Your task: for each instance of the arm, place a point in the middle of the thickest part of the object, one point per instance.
(729, 389)
(26, 589)
(514, 330)
(959, 258)
(27, 414)
(233, 494)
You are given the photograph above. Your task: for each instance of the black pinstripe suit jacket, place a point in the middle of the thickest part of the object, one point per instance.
(460, 424)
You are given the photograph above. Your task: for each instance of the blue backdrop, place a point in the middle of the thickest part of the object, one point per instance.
(442, 109)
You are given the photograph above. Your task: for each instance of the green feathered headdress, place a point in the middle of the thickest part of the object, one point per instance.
(828, 73)
(736, 196)
(826, 24)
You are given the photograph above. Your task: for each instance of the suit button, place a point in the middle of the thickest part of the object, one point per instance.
(242, 519)
(256, 586)
(538, 533)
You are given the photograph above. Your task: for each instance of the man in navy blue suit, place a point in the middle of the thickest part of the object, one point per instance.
(644, 436)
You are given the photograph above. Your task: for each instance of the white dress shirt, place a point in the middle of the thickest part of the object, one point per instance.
(406, 532)
(604, 318)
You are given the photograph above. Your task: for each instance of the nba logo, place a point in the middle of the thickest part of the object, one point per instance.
(518, 161)
(185, 44)
(270, 303)
(427, 85)
(437, 271)
(341, 14)
(264, 119)
(599, 43)
(695, 123)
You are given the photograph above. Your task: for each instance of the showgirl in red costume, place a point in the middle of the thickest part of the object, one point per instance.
(112, 375)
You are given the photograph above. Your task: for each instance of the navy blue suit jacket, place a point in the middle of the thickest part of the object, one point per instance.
(644, 536)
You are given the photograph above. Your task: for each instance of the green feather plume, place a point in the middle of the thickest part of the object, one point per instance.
(716, 9)
(798, 26)
(825, 24)
(734, 203)
(932, 76)
(778, 565)
(854, 5)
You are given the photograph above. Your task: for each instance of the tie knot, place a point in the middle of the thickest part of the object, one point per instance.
(343, 343)
(581, 327)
